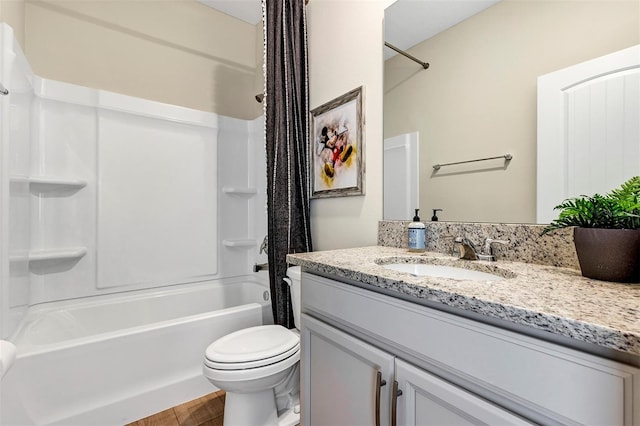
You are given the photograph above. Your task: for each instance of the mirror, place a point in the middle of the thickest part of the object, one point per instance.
(478, 98)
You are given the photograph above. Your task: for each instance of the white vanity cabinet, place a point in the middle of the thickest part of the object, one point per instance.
(347, 379)
(430, 401)
(359, 344)
(350, 382)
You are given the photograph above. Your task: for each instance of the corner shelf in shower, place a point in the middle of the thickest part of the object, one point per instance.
(239, 243)
(240, 191)
(49, 183)
(46, 184)
(58, 254)
(68, 253)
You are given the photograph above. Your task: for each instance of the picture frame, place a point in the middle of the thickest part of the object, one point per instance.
(336, 151)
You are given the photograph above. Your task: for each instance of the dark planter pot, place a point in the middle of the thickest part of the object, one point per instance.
(608, 254)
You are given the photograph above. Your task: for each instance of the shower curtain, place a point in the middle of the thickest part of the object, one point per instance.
(287, 141)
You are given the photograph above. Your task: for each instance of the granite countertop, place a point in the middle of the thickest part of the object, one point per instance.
(547, 298)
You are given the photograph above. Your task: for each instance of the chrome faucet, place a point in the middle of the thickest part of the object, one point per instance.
(488, 248)
(467, 251)
(264, 247)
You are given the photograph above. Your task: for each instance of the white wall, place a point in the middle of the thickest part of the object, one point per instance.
(345, 51)
(478, 98)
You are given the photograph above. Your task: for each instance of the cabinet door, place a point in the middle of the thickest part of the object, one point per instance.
(344, 380)
(428, 400)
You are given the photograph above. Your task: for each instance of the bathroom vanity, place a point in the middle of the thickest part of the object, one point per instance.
(541, 346)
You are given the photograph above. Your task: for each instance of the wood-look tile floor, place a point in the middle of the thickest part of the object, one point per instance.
(205, 411)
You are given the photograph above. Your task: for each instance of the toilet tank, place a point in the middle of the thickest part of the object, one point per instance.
(293, 279)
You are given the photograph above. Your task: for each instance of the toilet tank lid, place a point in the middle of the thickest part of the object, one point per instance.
(252, 344)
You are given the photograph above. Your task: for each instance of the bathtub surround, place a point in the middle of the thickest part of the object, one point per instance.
(525, 242)
(287, 141)
(110, 193)
(106, 198)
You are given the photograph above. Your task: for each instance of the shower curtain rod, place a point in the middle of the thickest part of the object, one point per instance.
(425, 65)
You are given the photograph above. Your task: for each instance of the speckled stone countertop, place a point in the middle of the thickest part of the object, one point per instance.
(552, 299)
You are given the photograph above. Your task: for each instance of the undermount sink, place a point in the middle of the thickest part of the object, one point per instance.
(442, 271)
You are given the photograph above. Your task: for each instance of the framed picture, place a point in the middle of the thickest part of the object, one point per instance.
(337, 168)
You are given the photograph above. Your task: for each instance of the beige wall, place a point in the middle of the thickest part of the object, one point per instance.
(12, 13)
(345, 52)
(177, 52)
(478, 98)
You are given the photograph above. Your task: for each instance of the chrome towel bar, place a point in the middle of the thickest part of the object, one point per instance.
(507, 157)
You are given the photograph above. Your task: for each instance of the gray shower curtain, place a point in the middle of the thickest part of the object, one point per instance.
(287, 142)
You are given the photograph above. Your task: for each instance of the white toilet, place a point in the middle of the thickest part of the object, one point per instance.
(258, 369)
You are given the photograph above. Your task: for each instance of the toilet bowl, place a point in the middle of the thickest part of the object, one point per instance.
(257, 367)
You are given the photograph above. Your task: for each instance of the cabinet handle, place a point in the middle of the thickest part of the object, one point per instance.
(395, 393)
(379, 383)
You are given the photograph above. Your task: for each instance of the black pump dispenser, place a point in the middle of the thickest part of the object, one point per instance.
(434, 218)
(416, 218)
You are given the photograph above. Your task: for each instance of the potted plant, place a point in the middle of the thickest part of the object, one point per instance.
(606, 233)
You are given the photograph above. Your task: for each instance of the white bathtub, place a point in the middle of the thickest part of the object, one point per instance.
(110, 360)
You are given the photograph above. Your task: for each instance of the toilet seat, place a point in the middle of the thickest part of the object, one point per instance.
(252, 347)
(251, 364)
(261, 377)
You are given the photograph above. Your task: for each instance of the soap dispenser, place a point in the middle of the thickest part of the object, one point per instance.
(434, 218)
(417, 234)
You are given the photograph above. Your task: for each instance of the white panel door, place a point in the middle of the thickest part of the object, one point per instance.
(340, 378)
(588, 129)
(401, 182)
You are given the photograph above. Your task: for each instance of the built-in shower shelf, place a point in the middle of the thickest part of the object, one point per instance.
(49, 183)
(68, 253)
(247, 192)
(44, 183)
(21, 256)
(240, 243)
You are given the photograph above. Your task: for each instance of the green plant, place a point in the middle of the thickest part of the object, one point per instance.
(628, 198)
(619, 209)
